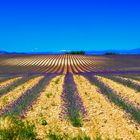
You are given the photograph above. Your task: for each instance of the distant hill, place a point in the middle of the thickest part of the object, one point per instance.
(135, 51)
(56, 52)
(3, 52)
(132, 51)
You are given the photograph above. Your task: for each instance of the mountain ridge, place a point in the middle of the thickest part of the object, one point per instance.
(98, 52)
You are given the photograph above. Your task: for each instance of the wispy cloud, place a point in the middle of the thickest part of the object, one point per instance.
(65, 50)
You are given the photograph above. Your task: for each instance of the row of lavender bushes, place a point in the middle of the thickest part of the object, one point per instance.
(15, 84)
(25, 100)
(72, 105)
(113, 97)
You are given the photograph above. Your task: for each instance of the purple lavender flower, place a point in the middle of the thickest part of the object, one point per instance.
(72, 105)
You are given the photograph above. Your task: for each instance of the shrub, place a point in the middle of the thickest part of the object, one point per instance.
(75, 118)
(57, 81)
(13, 128)
(49, 94)
(57, 136)
(85, 137)
(43, 121)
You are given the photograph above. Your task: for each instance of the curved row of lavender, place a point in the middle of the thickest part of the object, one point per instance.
(6, 77)
(12, 86)
(125, 82)
(48, 63)
(72, 105)
(25, 100)
(113, 97)
(103, 72)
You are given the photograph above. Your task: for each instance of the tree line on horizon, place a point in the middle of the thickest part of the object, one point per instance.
(76, 52)
(83, 53)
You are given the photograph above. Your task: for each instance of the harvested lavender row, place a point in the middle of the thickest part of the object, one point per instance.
(124, 82)
(5, 81)
(133, 77)
(25, 100)
(5, 78)
(14, 85)
(72, 105)
(118, 72)
(110, 94)
(9, 82)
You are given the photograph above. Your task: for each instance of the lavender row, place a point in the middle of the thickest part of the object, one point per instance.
(125, 82)
(111, 95)
(6, 77)
(25, 100)
(72, 105)
(12, 86)
(117, 72)
(30, 73)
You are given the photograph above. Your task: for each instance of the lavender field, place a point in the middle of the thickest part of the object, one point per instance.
(69, 97)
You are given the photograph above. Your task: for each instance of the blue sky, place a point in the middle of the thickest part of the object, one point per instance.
(53, 25)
